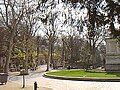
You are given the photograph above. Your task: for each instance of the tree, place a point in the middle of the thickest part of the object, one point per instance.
(112, 16)
(95, 31)
(11, 16)
(93, 21)
(3, 46)
(48, 21)
(26, 33)
(18, 16)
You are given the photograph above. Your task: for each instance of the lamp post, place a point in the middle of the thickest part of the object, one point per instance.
(23, 70)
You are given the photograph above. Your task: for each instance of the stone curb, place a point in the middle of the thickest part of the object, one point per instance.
(82, 78)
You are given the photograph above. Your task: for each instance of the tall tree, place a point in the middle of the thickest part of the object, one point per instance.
(112, 16)
(11, 16)
(48, 19)
(93, 22)
(27, 31)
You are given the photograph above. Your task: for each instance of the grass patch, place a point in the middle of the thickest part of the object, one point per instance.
(82, 73)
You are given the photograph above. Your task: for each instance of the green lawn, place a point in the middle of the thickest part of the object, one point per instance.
(82, 73)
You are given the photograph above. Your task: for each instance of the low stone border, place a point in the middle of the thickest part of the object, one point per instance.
(83, 78)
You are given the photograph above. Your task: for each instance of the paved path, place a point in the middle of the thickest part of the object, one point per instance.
(67, 84)
(74, 85)
(16, 86)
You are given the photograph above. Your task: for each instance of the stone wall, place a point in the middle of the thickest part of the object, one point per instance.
(112, 55)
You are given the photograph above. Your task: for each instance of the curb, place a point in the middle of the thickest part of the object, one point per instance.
(82, 78)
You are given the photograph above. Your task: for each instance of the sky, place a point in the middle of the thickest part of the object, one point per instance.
(64, 13)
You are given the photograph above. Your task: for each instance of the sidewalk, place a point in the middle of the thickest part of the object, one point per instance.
(15, 86)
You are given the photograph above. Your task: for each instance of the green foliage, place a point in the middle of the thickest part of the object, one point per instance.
(34, 54)
(56, 56)
(18, 53)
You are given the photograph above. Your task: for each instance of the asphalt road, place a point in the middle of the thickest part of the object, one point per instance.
(56, 84)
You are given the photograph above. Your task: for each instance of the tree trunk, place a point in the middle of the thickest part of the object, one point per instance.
(63, 54)
(93, 54)
(38, 48)
(26, 59)
(48, 62)
(71, 51)
(10, 47)
(51, 53)
(49, 57)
